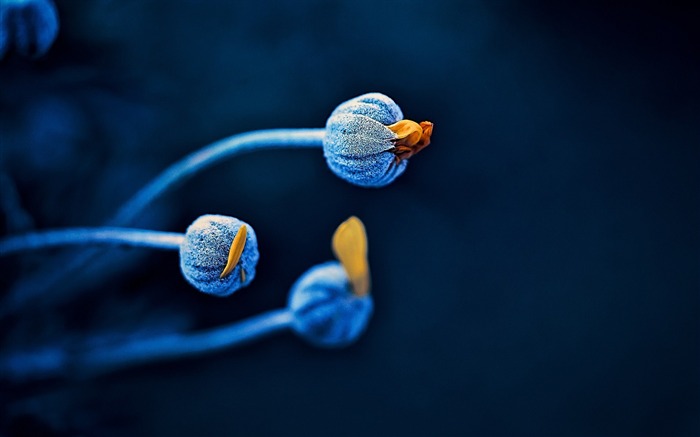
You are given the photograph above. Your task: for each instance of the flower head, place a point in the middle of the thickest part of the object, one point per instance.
(367, 140)
(331, 301)
(326, 312)
(219, 254)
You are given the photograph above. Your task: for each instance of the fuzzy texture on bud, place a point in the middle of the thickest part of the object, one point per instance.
(358, 144)
(326, 312)
(204, 255)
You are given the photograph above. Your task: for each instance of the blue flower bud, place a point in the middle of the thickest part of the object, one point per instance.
(368, 142)
(376, 106)
(30, 25)
(326, 312)
(358, 144)
(206, 254)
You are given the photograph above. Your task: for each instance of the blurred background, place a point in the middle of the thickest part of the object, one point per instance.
(535, 270)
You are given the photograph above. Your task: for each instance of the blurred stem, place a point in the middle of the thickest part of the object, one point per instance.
(90, 236)
(210, 155)
(57, 362)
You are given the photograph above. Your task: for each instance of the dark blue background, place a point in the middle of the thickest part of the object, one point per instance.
(535, 271)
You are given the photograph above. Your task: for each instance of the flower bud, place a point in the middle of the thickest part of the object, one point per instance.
(326, 311)
(219, 254)
(367, 140)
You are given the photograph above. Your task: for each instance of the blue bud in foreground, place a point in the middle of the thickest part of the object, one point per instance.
(368, 142)
(30, 25)
(219, 254)
(326, 312)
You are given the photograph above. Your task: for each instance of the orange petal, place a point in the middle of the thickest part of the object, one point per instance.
(407, 132)
(350, 247)
(234, 253)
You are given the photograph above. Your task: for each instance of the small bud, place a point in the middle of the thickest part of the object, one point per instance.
(367, 141)
(213, 260)
(326, 311)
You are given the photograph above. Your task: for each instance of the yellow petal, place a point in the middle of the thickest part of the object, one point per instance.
(407, 132)
(350, 247)
(234, 254)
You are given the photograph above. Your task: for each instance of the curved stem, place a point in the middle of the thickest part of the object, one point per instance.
(52, 362)
(29, 289)
(184, 345)
(211, 154)
(90, 236)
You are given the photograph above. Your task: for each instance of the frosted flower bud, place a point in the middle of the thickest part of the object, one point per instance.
(331, 303)
(326, 311)
(368, 142)
(219, 254)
